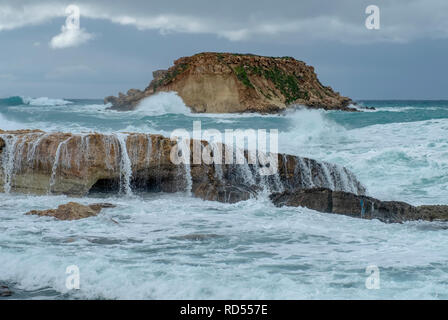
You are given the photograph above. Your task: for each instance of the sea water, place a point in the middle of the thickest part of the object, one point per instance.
(173, 246)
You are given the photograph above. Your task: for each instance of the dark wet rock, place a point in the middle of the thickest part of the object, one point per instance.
(72, 211)
(359, 206)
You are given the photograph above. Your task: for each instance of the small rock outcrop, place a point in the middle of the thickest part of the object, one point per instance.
(72, 211)
(359, 206)
(227, 83)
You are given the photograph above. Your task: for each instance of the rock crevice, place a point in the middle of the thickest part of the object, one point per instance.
(76, 164)
(358, 206)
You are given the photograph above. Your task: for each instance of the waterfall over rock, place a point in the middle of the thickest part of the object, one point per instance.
(75, 164)
(125, 165)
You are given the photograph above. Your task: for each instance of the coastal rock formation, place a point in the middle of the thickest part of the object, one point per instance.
(72, 211)
(225, 83)
(75, 164)
(36, 162)
(359, 206)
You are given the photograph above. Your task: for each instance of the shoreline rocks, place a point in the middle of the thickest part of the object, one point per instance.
(227, 83)
(358, 206)
(36, 162)
(72, 211)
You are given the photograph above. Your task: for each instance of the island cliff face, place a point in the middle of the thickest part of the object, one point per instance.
(227, 83)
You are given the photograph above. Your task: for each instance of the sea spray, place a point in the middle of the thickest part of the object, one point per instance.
(344, 180)
(45, 101)
(273, 182)
(162, 103)
(311, 173)
(329, 180)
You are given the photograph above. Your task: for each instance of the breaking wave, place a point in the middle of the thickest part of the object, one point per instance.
(41, 101)
(162, 103)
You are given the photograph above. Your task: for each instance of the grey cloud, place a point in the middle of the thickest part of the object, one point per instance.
(265, 21)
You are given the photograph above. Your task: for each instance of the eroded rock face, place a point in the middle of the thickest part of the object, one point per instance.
(72, 211)
(359, 206)
(75, 164)
(225, 83)
(225, 193)
(433, 212)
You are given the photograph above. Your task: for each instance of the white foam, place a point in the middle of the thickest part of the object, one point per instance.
(396, 161)
(45, 101)
(259, 252)
(6, 124)
(162, 103)
(8, 157)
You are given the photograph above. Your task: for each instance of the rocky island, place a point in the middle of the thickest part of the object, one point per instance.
(233, 83)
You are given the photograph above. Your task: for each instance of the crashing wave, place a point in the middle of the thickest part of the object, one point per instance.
(162, 103)
(41, 101)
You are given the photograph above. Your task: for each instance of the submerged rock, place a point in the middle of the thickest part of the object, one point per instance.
(72, 211)
(36, 162)
(433, 212)
(225, 82)
(359, 206)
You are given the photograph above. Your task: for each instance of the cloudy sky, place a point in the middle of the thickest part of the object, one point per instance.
(120, 43)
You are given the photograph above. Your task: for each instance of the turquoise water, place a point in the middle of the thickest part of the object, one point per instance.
(246, 250)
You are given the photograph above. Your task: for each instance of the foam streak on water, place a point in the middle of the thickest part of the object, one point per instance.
(8, 157)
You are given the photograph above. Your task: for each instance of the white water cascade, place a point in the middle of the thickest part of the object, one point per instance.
(323, 174)
(184, 146)
(8, 161)
(125, 165)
